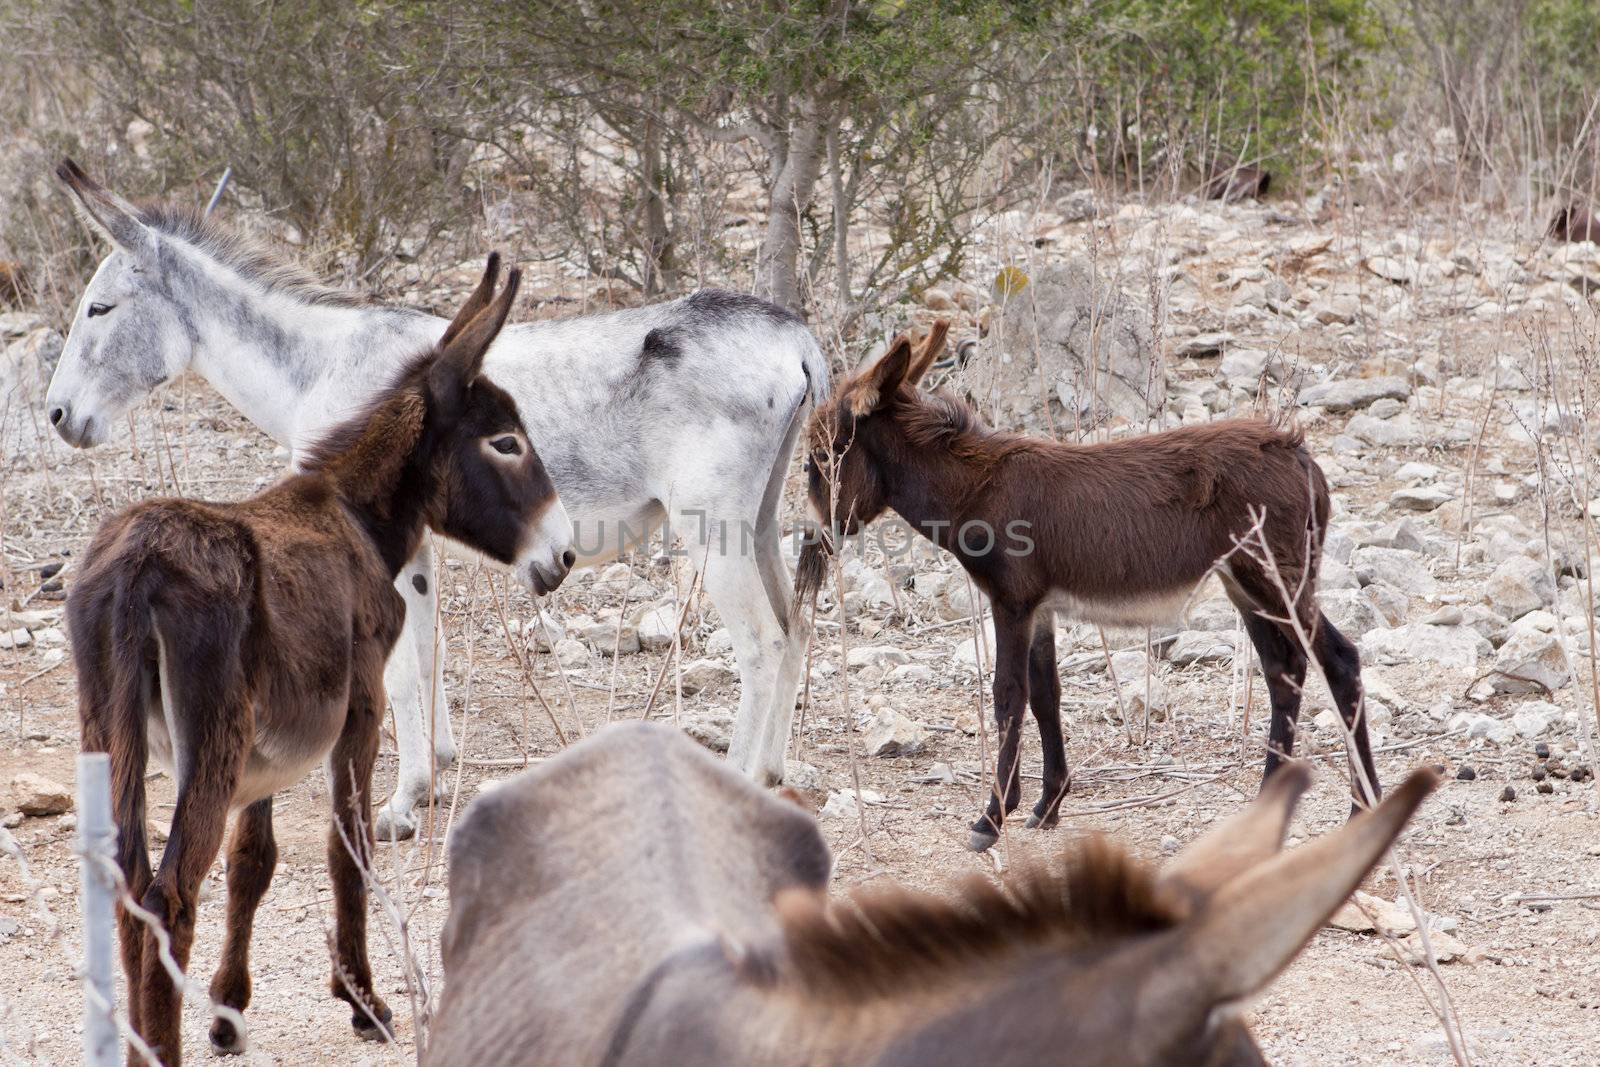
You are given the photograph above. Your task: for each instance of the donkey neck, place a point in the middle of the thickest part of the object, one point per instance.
(292, 367)
(930, 488)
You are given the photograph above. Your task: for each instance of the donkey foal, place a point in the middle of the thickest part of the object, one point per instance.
(239, 644)
(1117, 533)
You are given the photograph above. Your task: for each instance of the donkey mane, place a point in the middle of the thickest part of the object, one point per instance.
(890, 941)
(247, 255)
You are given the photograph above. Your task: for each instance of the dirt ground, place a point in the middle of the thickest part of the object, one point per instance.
(1526, 988)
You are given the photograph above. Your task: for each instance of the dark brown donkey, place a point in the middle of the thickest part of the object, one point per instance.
(1117, 533)
(241, 644)
(587, 929)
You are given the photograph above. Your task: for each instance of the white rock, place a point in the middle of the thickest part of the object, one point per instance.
(1531, 660)
(656, 626)
(1394, 567)
(34, 794)
(1199, 646)
(1519, 585)
(1456, 647)
(1352, 394)
(894, 734)
(1401, 431)
(912, 674)
(1420, 498)
(1477, 724)
(702, 674)
(802, 776)
(876, 656)
(571, 653)
(1535, 717)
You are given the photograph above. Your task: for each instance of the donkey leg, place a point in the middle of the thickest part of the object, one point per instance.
(217, 749)
(1013, 635)
(1341, 665)
(414, 679)
(1283, 663)
(349, 858)
(252, 856)
(1044, 697)
(780, 599)
(733, 582)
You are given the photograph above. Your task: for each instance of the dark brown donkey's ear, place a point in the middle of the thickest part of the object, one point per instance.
(932, 345)
(876, 385)
(476, 302)
(460, 358)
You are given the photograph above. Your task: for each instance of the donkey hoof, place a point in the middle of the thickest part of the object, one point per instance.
(391, 825)
(226, 1039)
(366, 1029)
(1033, 821)
(981, 840)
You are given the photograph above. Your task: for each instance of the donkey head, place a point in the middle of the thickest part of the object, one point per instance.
(1158, 964)
(129, 334)
(845, 482)
(494, 493)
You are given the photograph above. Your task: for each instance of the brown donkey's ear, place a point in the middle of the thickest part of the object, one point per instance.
(877, 384)
(460, 360)
(107, 212)
(932, 345)
(1252, 927)
(476, 302)
(1249, 837)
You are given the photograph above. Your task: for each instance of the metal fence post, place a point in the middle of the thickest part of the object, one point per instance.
(97, 836)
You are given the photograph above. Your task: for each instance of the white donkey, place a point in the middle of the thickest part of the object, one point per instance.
(684, 412)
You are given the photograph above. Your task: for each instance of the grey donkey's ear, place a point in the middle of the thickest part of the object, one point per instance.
(107, 212)
(460, 357)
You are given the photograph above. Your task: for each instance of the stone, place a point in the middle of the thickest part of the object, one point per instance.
(1351, 611)
(1094, 343)
(1338, 311)
(1455, 647)
(1392, 269)
(703, 674)
(893, 734)
(936, 299)
(1519, 585)
(26, 365)
(912, 674)
(18, 638)
(1535, 717)
(1477, 724)
(1200, 646)
(571, 653)
(841, 803)
(1531, 660)
(1366, 914)
(1203, 346)
(958, 599)
(876, 656)
(656, 626)
(34, 794)
(1244, 367)
(1420, 498)
(1446, 949)
(1401, 431)
(1394, 567)
(1144, 698)
(802, 776)
(1353, 394)
(712, 727)
(603, 637)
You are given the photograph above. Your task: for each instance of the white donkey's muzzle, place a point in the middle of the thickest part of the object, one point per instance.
(544, 564)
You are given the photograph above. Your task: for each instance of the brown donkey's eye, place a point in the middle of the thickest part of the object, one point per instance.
(99, 309)
(506, 446)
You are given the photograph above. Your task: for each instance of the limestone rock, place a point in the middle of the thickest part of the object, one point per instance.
(34, 794)
(1519, 585)
(1353, 394)
(894, 734)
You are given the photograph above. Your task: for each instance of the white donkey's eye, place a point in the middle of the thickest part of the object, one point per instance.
(506, 446)
(99, 309)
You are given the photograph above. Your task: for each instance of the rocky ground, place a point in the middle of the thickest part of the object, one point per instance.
(1439, 366)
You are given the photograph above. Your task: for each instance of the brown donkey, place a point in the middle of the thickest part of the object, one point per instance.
(241, 644)
(587, 928)
(1117, 533)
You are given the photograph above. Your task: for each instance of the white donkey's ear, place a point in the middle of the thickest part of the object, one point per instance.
(107, 212)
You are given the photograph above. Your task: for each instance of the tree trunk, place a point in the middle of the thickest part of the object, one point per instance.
(660, 273)
(794, 182)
